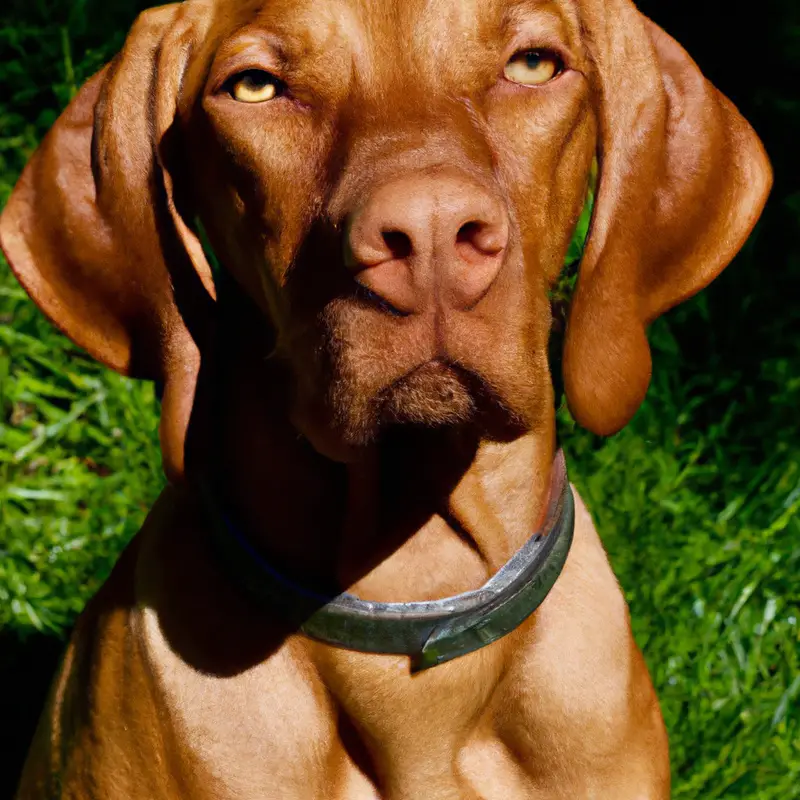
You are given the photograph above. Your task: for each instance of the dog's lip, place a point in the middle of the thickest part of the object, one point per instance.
(367, 296)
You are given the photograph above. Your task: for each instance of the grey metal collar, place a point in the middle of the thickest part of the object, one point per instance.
(430, 632)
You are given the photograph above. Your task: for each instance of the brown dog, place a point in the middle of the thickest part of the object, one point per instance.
(389, 188)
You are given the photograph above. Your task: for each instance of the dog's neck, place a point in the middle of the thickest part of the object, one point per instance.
(421, 515)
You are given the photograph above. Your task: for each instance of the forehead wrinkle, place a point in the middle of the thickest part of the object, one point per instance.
(554, 20)
(326, 40)
(521, 11)
(451, 37)
(564, 7)
(307, 29)
(414, 40)
(383, 55)
(443, 26)
(438, 17)
(296, 31)
(396, 43)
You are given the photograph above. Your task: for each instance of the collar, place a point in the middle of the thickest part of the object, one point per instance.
(430, 632)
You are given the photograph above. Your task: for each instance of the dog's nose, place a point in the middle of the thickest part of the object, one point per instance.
(428, 237)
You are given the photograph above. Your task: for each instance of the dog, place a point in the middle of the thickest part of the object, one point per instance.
(328, 231)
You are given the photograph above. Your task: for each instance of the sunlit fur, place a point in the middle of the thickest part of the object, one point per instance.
(400, 454)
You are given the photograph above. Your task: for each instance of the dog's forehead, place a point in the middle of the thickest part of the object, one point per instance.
(371, 31)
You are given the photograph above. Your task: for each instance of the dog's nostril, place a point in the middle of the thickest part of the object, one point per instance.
(484, 237)
(467, 232)
(399, 244)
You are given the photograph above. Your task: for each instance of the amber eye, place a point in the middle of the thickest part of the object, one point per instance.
(253, 86)
(533, 67)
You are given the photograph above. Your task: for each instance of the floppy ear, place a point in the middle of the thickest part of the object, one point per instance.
(86, 228)
(682, 181)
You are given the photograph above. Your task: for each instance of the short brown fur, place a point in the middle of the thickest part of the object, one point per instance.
(368, 388)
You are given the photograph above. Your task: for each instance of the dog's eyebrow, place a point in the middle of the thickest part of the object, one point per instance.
(307, 33)
(536, 5)
(253, 39)
(555, 23)
(249, 50)
(516, 10)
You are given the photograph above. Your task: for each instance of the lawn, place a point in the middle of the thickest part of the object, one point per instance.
(697, 500)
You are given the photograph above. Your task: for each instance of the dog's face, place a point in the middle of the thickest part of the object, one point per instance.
(396, 187)
(394, 184)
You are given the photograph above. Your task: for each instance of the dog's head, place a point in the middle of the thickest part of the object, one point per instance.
(394, 184)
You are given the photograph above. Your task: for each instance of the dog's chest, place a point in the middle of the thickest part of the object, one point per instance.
(262, 733)
(334, 725)
(311, 721)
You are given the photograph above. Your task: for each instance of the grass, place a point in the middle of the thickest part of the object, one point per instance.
(703, 535)
(697, 500)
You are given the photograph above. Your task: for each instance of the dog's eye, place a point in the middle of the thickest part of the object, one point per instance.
(253, 86)
(533, 67)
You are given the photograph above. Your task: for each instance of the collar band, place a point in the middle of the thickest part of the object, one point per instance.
(430, 632)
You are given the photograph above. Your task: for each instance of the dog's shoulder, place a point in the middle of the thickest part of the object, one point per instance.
(579, 649)
(84, 742)
(580, 686)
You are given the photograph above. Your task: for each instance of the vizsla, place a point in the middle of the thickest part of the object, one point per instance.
(328, 228)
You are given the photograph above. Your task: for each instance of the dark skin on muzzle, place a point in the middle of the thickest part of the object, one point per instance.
(388, 190)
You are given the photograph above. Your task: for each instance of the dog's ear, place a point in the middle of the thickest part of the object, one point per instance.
(81, 230)
(683, 179)
(88, 225)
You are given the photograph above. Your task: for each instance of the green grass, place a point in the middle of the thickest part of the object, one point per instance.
(704, 536)
(697, 500)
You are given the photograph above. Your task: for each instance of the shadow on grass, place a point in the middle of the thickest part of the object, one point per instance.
(27, 667)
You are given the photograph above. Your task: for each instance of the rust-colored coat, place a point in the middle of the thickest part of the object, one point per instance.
(369, 389)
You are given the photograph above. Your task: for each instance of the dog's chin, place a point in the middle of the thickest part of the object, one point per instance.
(433, 395)
(370, 377)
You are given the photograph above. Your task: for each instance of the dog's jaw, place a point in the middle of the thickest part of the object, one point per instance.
(361, 372)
